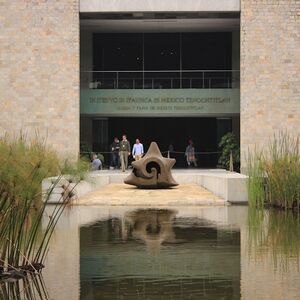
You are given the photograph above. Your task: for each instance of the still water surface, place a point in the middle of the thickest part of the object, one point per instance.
(174, 253)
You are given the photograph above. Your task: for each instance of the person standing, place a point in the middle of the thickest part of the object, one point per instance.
(137, 150)
(114, 148)
(190, 154)
(170, 150)
(124, 152)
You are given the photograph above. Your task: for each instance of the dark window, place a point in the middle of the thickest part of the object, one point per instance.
(206, 51)
(162, 51)
(118, 52)
(172, 52)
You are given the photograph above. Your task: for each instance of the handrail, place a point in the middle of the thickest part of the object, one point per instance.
(163, 79)
(160, 71)
(163, 152)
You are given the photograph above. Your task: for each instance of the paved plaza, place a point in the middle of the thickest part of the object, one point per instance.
(122, 194)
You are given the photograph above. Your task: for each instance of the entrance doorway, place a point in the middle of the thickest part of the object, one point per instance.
(205, 133)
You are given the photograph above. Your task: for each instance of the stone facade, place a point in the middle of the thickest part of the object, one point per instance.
(270, 69)
(39, 70)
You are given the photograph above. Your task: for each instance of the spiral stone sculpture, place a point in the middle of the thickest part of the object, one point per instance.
(152, 171)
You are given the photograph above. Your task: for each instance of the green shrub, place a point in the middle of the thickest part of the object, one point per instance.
(229, 145)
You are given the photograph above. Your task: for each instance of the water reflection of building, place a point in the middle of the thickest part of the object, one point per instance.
(77, 228)
(145, 246)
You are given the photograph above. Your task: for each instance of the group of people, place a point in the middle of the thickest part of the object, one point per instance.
(121, 150)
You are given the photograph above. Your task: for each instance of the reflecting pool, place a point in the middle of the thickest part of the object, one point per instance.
(173, 253)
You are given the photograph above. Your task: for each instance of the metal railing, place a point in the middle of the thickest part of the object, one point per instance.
(164, 79)
(204, 158)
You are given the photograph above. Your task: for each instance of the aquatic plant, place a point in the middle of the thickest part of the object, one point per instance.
(23, 166)
(274, 173)
(29, 288)
(256, 179)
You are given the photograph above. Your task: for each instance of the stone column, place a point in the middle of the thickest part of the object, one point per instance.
(270, 60)
(39, 71)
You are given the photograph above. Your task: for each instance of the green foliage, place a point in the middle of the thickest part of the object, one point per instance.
(256, 180)
(23, 166)
(76, 170)
(229, 145)
(274, 173)
(85, 151)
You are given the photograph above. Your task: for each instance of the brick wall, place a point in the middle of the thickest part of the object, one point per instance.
(39, 70)
(270, 69)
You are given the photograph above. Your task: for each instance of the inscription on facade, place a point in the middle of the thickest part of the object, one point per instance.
(112, 102)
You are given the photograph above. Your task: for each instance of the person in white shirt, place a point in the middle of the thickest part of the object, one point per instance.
(137, 150)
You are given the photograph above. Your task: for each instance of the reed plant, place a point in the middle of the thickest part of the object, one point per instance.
(29, 288)
(274, 173)
(23, 166)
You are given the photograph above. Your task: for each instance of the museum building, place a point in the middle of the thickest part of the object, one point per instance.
(83, 72)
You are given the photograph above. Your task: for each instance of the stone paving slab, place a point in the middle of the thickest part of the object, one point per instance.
(122, 194)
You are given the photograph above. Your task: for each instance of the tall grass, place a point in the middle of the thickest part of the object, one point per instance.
(274, 173)
(23, 166)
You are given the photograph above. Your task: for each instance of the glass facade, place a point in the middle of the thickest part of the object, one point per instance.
(154, 85)
(162, 60)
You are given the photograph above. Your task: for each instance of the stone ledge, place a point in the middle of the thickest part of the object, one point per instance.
(159, 5)
(229, 186)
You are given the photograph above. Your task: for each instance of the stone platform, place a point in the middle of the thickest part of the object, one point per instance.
(229, 186)
(121, 194)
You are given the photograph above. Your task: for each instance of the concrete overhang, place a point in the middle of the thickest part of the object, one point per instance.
(94, 6)
(163, 25)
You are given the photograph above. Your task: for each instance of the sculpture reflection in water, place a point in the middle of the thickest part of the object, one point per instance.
(152, 171)
(151, 226)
